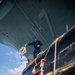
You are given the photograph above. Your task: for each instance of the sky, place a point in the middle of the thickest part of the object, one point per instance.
(10, 61)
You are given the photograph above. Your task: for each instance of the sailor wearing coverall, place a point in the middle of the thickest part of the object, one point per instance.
(36, 44)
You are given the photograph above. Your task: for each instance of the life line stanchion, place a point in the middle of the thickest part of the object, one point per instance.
(55, 56)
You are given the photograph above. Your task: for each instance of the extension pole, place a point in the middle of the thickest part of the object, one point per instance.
(55, 57)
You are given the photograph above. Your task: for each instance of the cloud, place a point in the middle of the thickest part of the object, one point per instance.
(17, 56)
(18, 62)
(9, 53)
(12, 71)
(15, 71)
(17, 53)
(24, 58)
(5, 74)
(12, 59)
(19, 69)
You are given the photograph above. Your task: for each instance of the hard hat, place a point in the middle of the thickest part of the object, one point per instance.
(33, 37)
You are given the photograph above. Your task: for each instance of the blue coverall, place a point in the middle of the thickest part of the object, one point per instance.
(36, 49)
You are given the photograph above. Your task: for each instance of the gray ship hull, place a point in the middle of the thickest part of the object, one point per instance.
(65, 56)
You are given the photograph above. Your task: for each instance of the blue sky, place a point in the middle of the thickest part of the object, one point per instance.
(10, 61)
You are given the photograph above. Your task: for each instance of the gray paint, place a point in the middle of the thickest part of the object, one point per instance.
(24, 20)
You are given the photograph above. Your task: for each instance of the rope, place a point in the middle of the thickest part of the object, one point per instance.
(47, 53)
(35, 61)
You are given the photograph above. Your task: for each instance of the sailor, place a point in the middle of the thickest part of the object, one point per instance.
(37, 44)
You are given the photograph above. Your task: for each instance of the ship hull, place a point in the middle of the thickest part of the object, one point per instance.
(65, 53)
